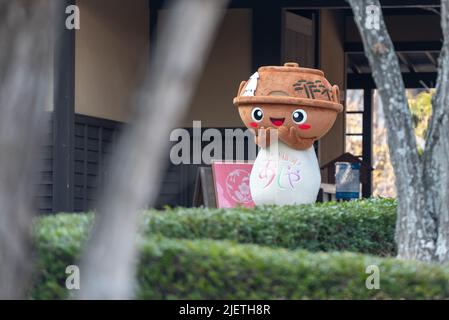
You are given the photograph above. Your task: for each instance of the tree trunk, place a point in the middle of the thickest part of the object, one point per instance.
(415, 227)
(436, 156)
(107, 269)
(25, 64)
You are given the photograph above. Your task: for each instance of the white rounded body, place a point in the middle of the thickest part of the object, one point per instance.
(284, 176)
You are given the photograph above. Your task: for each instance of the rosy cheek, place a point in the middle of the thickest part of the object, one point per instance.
(254, 124)
(304, 126)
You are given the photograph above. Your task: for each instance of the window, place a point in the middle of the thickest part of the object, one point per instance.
(354, 122)
(420, 107)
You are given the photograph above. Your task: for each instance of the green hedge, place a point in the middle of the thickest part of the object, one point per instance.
(205, 269)
(360, 226)
(208, 269)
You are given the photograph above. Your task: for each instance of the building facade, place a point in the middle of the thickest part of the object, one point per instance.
(100, 65)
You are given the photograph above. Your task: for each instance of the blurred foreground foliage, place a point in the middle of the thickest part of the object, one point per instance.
(257, 253)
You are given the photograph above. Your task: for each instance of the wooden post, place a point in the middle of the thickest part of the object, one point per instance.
(267, 30)
(63, 114)
(367, 148)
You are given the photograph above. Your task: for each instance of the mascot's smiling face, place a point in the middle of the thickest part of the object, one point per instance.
(298, 102)
(308, 122)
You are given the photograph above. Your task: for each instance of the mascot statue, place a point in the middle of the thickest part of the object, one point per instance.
(289, 108)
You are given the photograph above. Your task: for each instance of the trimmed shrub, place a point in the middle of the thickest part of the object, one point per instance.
(204, 269)
(208, 269)
(58, 243)
(365, 226)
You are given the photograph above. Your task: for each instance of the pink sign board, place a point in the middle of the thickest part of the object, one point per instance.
(231, 183)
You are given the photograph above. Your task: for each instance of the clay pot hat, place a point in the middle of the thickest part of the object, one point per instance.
(299, 102)
(289, 84)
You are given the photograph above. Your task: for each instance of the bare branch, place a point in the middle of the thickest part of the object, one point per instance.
(439, 103)
(431, 9)
(25, 57)
(108, 265)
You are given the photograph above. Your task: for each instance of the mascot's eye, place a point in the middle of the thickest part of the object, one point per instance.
(257, 114)
(299, 116)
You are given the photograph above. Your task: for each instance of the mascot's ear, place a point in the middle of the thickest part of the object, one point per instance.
(242, 85)
(336, 93)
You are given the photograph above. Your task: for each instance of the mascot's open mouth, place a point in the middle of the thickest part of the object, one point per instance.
(277, 121)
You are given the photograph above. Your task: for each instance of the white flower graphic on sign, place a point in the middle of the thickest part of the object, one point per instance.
(237, 186)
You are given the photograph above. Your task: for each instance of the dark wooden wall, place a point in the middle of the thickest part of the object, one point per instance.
(94, 141)
(44, 187)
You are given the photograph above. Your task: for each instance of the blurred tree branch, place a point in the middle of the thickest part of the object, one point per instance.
(25, 64)
(108, 265)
